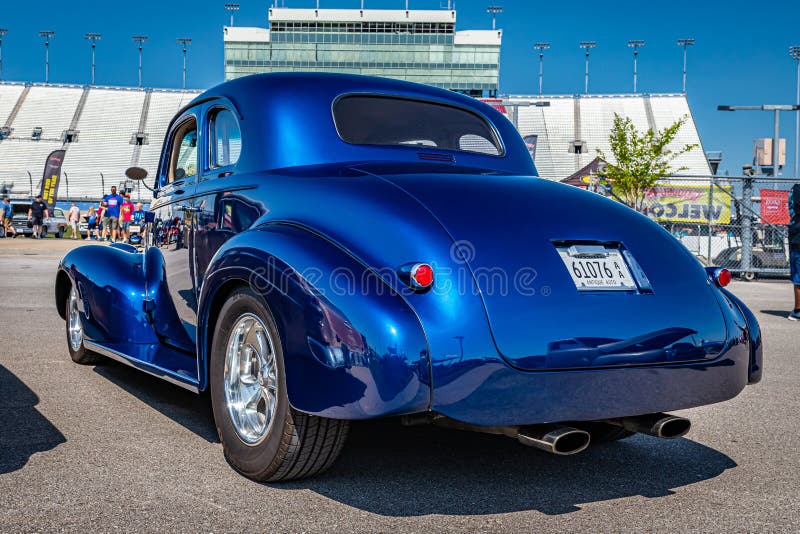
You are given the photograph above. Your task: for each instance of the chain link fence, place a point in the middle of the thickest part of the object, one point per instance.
(736, 222)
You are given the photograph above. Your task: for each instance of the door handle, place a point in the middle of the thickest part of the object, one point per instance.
(188, 209)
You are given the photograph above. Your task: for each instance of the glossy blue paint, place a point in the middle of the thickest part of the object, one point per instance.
(322, 228)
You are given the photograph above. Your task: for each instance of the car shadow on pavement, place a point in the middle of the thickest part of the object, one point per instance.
(411, 471)
(188, 409)
(23, 430)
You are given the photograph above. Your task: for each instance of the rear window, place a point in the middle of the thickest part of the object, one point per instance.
(390, 121)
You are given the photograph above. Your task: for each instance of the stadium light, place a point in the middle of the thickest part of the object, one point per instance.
(3, 33)
(794, 52)
(587, 45)
(541, 47)
(184, 41)
(231, 8)
(636, 44)
(93, 38)
(47, 35)
(776, 138)
(494, 11)
(685, 43)
(140, 40)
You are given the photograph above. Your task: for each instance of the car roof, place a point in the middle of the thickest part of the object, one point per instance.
(291, 115)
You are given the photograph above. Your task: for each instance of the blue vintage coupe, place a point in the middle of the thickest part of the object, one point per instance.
(328, 248)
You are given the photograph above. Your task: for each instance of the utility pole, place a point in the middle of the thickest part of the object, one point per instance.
(47, 35)
(794, 52)
(184, 41)
(93, 38)
(541, 47)
(494, 11)
(587, 45)
(685, 43)
(636, 44)
(231, 8)
(3, 33)
(140, 40)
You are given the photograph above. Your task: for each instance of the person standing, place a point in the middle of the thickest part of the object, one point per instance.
(113, 205)
(125, 216)
(7, 218)
(102, 222)
(37, 213)
(91, 224)
(794, 249)
(74, 217)
(138, 215)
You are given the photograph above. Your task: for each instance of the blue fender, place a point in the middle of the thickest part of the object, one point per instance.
(111, 288)
(754, 333)
(353, 347)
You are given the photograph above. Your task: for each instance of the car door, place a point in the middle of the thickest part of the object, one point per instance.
(224, 206)
(174, 305)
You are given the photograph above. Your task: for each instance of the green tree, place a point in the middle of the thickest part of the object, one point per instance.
(641, 159)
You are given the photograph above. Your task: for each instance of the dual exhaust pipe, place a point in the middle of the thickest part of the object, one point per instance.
(564, 440)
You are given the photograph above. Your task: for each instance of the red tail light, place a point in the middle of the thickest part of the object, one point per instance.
(422, 275)
(721, 277)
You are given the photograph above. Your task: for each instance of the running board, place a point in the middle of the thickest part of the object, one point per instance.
(154, 359)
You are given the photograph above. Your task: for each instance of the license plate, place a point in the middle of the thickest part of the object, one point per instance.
(597, 268)
(135, 228)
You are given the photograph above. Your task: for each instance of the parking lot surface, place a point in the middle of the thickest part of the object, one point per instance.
(109, 448)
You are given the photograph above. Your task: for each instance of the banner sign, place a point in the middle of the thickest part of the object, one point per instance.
(689, 203)
(52, 176)
(775, 206)
(530, 142)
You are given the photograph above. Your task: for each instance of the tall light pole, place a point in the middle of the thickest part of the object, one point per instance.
(184, 41)
(140, 40)
(587, 45)
(93, 38)
(494, 11)
(636, 44)
(47, 35)
(794, 52)
(541, 47)
(231, 8)
(3, 33)
(685, 43)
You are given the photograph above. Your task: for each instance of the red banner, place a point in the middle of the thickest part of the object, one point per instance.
(775, 206)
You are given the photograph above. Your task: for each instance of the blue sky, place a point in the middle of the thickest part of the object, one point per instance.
(741, 55)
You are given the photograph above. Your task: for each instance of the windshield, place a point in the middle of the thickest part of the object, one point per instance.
(392, 121)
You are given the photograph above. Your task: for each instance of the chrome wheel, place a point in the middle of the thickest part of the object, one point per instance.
(250, 379)
(75, 332)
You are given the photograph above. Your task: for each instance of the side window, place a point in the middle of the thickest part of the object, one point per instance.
(225, 139)
(183, 153)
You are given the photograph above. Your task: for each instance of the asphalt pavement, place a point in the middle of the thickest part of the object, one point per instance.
(108, 448)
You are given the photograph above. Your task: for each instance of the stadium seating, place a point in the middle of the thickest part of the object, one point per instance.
(106, 120)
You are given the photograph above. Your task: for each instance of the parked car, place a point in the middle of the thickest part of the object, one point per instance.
(398, 258)
(56, 224)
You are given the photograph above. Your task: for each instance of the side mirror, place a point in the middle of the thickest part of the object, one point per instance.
(136, 173)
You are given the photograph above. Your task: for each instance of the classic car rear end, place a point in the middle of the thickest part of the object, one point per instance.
(404, 260)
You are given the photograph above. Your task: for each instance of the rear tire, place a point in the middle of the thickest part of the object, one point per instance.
(263, 437)
(60, 233)
(74, 322)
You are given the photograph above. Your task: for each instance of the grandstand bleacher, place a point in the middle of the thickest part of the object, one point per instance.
(589, 118)
(105, 122)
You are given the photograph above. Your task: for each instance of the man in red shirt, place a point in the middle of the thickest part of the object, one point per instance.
(126, 216)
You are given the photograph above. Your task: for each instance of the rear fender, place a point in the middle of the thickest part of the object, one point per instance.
(353, 348)
(110, 282)
(754, 334)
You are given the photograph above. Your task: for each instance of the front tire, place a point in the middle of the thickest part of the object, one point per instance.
(263, 437)
(77, 350)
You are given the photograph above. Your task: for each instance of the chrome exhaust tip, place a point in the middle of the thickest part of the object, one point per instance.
(555, 439)
(660, 425)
